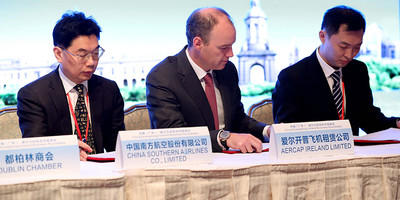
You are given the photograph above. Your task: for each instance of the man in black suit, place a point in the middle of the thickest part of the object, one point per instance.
(176, 87)
(49, 105)
(308, 91)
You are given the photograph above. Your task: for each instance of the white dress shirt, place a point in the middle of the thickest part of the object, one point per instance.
(73, 94)
(328, 70)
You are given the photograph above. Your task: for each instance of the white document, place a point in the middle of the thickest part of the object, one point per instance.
(388, 134)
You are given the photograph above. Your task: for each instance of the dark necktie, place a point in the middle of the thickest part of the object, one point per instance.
(212, 100)
(337, 93)
(81, 114)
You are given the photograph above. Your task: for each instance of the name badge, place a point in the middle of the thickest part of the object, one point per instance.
(157, 147)
(39, 156)
(311, 139)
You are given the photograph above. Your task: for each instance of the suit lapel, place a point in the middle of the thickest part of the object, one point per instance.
(60, 102)
(225, 95)
(193, 87)
(348, 80)
(322, 88)
(96, 102)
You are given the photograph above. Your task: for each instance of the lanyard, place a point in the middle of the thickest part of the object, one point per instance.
(76, 122)
(342, 117)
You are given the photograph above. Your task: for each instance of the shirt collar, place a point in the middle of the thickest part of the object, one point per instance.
(67, 83)
(197, 69)
(328, 70)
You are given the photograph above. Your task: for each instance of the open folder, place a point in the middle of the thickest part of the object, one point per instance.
(388, 136)
(102, 157)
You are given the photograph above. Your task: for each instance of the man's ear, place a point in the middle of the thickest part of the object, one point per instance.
(323, 36)
(197, 43)
(57, 53)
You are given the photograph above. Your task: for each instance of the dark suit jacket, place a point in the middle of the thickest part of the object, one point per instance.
(175, 98)
(43, 109)
(302, 94)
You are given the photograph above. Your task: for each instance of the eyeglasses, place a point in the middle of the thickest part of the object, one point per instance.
(83, 57)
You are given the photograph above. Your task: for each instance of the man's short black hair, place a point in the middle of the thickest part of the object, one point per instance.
(71, 25)
(339, 15)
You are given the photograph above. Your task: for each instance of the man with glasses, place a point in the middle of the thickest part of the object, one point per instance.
(71, 99)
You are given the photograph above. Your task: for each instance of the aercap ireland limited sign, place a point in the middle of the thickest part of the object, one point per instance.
(311, 139)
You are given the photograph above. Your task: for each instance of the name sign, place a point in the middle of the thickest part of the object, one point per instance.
(39, 156)
(157, 147)
(311, 139)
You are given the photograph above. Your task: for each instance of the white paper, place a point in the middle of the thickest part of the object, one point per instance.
(388, 134)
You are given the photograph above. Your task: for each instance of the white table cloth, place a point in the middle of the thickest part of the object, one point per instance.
(93, 182)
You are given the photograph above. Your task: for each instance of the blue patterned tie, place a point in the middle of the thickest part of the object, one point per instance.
(81, 114)
(337, 93)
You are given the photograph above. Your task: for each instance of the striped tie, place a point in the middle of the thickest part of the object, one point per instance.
(337, 93)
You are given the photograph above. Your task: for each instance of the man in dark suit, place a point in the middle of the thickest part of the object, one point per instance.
(55, 103)
(177, 89)
(309, 89)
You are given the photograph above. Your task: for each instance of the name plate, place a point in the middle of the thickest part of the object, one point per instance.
(39, 156)
(311, 139)
(158, 147)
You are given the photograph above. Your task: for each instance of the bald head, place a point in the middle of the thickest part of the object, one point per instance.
(201, 22)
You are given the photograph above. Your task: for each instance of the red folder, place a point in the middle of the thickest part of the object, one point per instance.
(97, 159)
(102, 157)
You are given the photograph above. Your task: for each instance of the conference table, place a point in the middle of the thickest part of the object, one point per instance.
(93, 181)
(372, 172)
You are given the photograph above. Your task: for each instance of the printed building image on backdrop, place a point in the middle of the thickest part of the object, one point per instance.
(263, 47)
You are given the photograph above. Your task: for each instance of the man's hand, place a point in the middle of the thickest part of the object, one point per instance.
(83, 148)
(244, 142)
(398, 123)
(269, 131)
